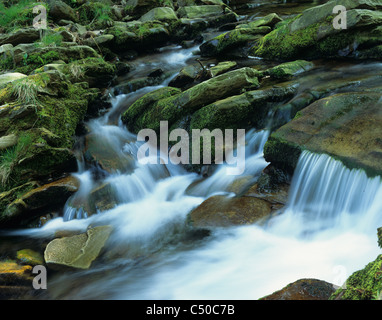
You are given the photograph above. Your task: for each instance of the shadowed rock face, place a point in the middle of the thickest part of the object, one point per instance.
(346, 126)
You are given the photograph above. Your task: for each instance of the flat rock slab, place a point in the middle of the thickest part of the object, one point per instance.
(77, 251)
(346, 126)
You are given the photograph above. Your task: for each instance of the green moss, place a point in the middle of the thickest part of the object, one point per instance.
(365, 284)
(18, 15)
(35, 61)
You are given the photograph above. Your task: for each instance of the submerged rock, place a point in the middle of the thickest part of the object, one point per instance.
(30, 257)
(78, 251)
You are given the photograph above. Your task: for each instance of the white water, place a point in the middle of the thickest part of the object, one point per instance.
(327, 231)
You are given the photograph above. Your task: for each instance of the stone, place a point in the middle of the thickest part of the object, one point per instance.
(59, 10)
(346, 126)
(186, 76)
(161, 14)
(9, 77)
(221, 211)
(46, 196)
(24, 35)
(193, 12)
(8, 141)
(303, 289)
(222, 67)
(78, 251)
(311, 34)
(288, 69)
(231, 40)
(176, 106)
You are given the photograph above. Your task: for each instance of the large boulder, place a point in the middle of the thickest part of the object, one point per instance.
(312, 34)
(347, 126)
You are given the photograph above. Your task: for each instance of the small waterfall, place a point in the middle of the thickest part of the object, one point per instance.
(326, 194)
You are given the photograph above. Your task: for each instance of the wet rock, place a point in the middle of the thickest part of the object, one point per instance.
(231, 40)
(288, 69)
(346, 126)
(303, 289)
(222, 67)
(25, 207)
(78, 251)
(221, 211)
(193, 12)
(186, 76)
(269, 20)
(190, 100)
(239, 111)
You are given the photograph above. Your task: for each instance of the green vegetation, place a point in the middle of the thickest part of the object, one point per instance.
(365, 284)
(17, 14)
(25, 91)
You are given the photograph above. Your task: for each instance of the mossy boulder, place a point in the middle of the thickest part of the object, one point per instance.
(187, 102)
(95, 71)
(242, 111)
(289, 69)
(24, 35)
(231, 40)
(193, 12)
(312, 34)
(43, 111)
(346, 126)
(139, 35)
(365, 284)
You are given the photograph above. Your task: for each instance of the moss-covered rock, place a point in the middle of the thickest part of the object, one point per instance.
(289, 69)
(231, 40)
(43, 111)
(365, 284)
(312, 35)
(176, 106)
(30, 257)
(242, 111)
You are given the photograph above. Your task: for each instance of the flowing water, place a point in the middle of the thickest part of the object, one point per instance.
(326, 231)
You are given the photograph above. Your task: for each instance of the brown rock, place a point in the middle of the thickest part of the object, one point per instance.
(303, 289)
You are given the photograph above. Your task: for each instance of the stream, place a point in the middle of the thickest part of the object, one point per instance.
(326, 231)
